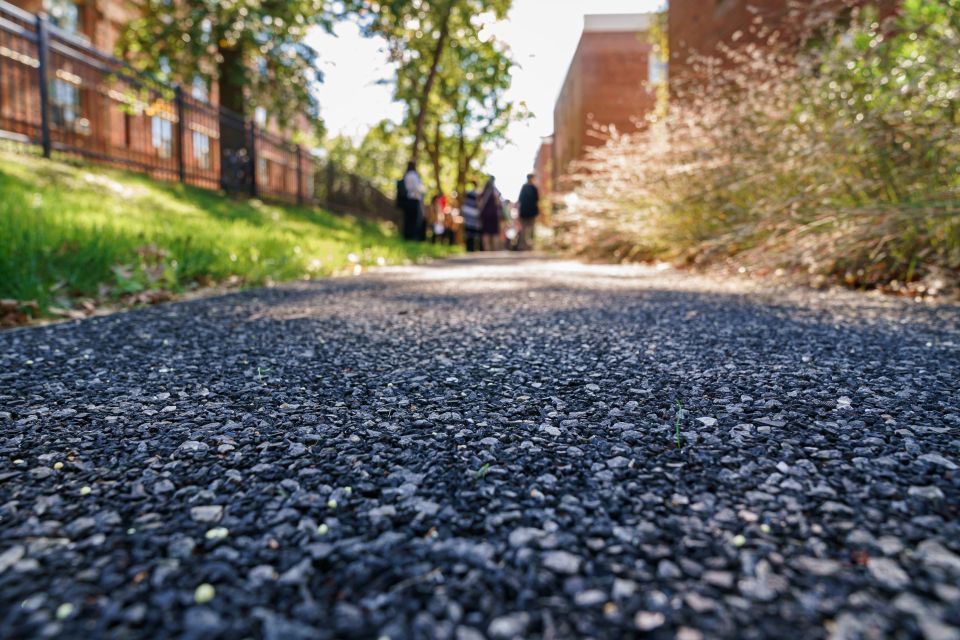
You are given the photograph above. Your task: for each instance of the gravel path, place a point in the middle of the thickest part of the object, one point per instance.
(486, 448)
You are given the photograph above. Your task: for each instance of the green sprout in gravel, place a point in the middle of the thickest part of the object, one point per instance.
(677, 422)
(204, 593)
(482, 472)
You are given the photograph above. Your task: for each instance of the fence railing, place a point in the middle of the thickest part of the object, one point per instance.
(59, 93)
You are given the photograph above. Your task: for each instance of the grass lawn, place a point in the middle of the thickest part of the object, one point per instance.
(72, 235)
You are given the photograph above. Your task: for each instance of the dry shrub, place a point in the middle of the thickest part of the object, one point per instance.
(838, 158)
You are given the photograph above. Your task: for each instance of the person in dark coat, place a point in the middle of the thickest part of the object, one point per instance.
(490, 211)
(529, 205)
(471, 219)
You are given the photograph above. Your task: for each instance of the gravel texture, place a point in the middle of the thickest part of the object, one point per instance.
(486, 448)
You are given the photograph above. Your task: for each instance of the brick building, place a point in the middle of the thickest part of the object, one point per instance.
(103, 119)
(609, 85)
(699, 26)
(613, 77)
(543, 167)
(90, 112)
(100, 22)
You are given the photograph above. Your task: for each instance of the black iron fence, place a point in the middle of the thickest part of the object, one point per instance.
(61, 94)
(347, 192)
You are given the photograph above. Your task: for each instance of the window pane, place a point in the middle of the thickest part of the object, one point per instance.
(656, 70)
(198, 89)
(161, 133)
(64, 103)
(64, 14)
(201, 150)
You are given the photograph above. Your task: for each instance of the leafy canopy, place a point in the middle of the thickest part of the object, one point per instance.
(453, 77)
(255, 49)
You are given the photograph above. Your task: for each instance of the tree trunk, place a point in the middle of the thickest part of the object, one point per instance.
(467, 154)
(424, 102)
(434, 149)
(461, 156)
(233, 79)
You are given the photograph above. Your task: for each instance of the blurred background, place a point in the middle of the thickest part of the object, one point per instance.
(150, 148)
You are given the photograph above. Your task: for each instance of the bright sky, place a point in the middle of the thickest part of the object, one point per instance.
(543, 35)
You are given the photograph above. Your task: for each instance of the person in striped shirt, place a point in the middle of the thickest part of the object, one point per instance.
(470, 211)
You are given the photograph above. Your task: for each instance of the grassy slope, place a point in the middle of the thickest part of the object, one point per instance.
(78, 231)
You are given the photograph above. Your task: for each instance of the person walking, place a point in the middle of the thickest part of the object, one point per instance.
(449, 224)
(470, 211)
(491, 209)
(438, 219)
(410, 192)
(529, 205)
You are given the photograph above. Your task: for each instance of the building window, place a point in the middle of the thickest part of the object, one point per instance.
(260, 116)
(199, 90)
(656, 70)
(64, 103)
(161, 131)
(201, 150)
(64, 14)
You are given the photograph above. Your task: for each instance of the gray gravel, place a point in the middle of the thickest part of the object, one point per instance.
(486, 448)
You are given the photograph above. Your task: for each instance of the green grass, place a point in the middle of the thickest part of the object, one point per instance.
(72, 232)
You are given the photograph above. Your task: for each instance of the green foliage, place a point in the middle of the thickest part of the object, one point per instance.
(893, 100)
(471, 114)
(255, 49)
(659, 38)
(452, 76)
(70, 232)
(379, 157)
(840, 160)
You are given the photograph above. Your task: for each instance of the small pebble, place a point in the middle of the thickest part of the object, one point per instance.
(204, 593)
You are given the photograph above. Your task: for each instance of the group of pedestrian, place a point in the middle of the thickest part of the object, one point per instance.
(481, 220)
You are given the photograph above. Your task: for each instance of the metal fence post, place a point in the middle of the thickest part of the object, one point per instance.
(299, 176)
(42, 57)
(182, 131)
(253, 159)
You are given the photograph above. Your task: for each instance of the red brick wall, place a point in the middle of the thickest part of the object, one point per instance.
(698, 26)
(543, 168)
(605, 86)
(101, 21)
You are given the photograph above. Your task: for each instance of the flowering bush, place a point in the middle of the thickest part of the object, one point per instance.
(838, 158)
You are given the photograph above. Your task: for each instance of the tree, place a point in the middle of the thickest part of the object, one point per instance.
(377, 158)
(474, 103)
(419, 36)
(254, 49)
